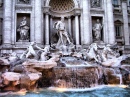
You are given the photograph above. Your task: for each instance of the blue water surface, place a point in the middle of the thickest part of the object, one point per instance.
(104, 92)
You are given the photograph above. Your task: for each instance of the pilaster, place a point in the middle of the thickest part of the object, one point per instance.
(47, 29)
(77, 29)
(38, 19)
(7, 21)
(110, 17)
(86, 22)
(125, 20)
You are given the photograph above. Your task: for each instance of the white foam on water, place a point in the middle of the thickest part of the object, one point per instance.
(84, 89)
(120, 86)
(75, 89)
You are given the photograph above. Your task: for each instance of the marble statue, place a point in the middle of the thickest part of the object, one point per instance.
(43, 55)
(97, 30)
(114, 62)
(95, 3)
(23, 30)
(109, 57)
(13, 57)
(30, 52)
(62, 33)
(107, 53)
(91, 52)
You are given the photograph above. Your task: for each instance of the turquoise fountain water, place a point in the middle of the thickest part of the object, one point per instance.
(104, 92)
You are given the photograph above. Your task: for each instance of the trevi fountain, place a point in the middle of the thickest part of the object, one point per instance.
(75, 54)
(62, 67)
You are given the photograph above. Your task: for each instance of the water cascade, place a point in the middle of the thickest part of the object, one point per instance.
(77, 70)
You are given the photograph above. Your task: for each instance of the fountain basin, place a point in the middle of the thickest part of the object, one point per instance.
(74, 62)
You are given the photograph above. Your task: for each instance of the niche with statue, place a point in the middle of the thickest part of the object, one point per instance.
(97, 29)
(23, 27)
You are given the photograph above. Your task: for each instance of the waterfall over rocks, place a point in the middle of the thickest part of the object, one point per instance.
(64, 69)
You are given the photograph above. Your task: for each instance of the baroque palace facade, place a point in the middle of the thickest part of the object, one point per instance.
(80, 17)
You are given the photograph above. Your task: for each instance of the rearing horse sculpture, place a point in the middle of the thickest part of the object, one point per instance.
(107, 53)
(91, 52)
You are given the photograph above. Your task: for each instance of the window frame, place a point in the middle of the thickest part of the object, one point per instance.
(116, 5)
(118, 28)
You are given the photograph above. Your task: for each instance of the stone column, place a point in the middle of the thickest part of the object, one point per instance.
(110, 22)
(51, 29)
(86, 22)
(105, 24)
(125, 20)
(47, 29)
(51, 25)
(7, 21)
(38, 21)
(1, 30)
(14, 28)
(69, 25)
(1, 26)
(32, 26)
(77, 30)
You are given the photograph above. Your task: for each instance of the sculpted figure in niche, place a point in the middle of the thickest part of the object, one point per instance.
(62, 33)
(97, 30)
(23, 30)
(95, 3)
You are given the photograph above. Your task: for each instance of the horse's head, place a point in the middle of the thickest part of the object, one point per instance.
(94, 46)
(107, 48)
(46, 49)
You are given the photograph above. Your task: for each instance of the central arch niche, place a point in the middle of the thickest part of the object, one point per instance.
(54, 9)
(61, 5)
